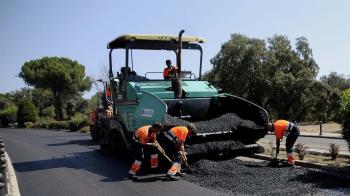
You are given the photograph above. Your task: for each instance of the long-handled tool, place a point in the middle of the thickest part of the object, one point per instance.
(160, 150)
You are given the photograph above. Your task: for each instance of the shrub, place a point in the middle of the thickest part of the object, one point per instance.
(8, 116)
(345, 113)
(76, 124)
(63, 125)
(28, 125)
(53, 125)
(36, 125)
(26, 112)
(300, 149)
(334, 151)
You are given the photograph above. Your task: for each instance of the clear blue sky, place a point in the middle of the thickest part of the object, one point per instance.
(80, 29)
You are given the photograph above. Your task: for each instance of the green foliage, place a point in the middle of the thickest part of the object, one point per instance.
(43, 99)
(8, 115)
(336, 81)
(76, 105)
(62, 76)
(239, 67)
(26, 112)
(276, 76)
(77, 124)
(345, 111)
(93, 102)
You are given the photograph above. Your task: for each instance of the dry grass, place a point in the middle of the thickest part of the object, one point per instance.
(85, 129)
(339, 162)
(330, 127)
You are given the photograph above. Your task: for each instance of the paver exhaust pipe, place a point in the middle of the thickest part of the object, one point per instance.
(176, 83)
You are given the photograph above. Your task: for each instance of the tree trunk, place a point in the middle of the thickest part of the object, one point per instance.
(58, 106)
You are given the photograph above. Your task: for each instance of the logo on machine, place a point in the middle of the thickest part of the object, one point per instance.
(148, 113)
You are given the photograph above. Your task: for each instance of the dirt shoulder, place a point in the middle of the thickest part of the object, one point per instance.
(330, 127)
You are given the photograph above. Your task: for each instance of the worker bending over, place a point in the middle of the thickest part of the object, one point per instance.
(290, 130)
(170, 71)
(142, 136)
(174, 144)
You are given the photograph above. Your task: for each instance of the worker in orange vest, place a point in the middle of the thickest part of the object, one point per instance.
(169, 71)
(175, 139)
(290, 130)
(143, 135)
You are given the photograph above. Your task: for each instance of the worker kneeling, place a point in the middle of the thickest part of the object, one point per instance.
(291, 131)
(142, 136)
(174, 144)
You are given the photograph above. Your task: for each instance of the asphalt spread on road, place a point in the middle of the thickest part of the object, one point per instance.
(258, 178)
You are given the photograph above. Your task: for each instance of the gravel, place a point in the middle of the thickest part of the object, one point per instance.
(226, 122)
(241, 132)
(252, 178)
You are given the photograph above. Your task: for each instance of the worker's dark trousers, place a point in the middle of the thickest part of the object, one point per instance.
(292, 136)
(169, 146)
(139, 151)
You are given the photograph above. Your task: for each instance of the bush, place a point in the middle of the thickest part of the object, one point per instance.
(53, 125)
(345, 113)
(63, 125)
(8, 116)
(26, 112)
(300, 149)
(76, 124)
(334, 151)
(58, 125)
(28, 125)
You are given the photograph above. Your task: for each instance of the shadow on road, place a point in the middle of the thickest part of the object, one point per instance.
(93, 161)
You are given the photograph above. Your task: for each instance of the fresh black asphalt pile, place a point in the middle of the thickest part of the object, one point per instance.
(224, 123)
(251, 178)
(240, 131)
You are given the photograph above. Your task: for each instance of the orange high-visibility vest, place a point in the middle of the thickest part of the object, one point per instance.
(180, 132)
(142, 134)
(280, 127)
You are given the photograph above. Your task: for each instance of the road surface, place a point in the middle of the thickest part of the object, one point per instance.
(65, 163)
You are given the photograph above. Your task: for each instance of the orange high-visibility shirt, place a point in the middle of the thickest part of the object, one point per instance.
(180, 132)
(143, 135)
(108, 91)
(280, 127)
(166, 73)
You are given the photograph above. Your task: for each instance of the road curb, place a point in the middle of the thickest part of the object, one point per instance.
(12, 185)
(316, 136)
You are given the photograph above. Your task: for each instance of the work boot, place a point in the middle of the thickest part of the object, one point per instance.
(133, 177)
(172, 177)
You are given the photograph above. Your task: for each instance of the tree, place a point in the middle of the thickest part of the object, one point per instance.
(239, 68)
(26, 112)
(272, 75)
(64, 77)
(290, 72)
(76, 104)
(8, 109)
(336, 81)
(345, 111)
(42, 99)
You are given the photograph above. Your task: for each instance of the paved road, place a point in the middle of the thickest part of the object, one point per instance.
(64, 163)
